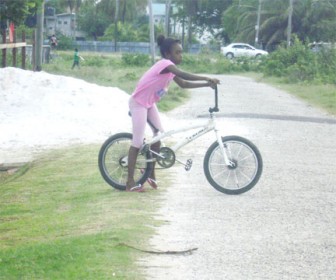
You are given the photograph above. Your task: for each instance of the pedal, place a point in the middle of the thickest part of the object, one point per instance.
(188, 165)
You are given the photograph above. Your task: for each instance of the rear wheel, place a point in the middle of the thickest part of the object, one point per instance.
(229, 55)
(113, 161)
(246, 166)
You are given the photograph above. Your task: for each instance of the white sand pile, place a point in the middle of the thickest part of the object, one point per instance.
(39, 110)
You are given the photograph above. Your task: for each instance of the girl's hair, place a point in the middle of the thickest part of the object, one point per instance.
(166, 44)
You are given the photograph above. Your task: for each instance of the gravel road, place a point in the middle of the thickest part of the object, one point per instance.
(285, 227)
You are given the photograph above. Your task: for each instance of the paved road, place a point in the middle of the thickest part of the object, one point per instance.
(285, 227)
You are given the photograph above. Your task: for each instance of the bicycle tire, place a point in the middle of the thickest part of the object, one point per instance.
(112, 161)
(233, 180)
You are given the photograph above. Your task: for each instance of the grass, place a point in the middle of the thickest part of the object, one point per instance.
(322, 96)
(110, 70)
(60, 220)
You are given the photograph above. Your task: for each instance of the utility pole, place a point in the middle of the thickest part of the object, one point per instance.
(116, 17)
(151, 31)
(289, 26)
(39, 37)
(167, 17)
(258, 25)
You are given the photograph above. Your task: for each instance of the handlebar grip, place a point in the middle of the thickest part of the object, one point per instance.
(215, 109)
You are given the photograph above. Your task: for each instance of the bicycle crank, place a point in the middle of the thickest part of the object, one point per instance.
(166, 158)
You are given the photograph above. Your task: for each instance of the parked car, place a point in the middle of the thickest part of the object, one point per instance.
(241, 49)
(317, 47)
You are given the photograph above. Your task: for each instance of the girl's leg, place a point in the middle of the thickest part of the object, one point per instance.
(132, 157)
(139, 118)
(154, 118)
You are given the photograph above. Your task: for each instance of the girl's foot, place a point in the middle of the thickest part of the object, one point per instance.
(152, 183)
(137, 188)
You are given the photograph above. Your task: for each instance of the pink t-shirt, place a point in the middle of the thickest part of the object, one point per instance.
(153, 85)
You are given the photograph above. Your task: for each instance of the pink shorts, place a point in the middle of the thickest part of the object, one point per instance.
(140, 116)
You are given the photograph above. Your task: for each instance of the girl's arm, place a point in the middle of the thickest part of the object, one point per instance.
(182, 78)
(185, 75)
(185, 84)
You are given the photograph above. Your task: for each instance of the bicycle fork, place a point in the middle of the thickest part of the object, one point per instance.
(223, 150)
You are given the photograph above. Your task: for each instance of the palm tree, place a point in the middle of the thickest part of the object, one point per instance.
(312, 20)
(240, 19)
(318, 21)
(273, 28)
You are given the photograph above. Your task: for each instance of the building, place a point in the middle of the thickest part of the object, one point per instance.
(64, 23)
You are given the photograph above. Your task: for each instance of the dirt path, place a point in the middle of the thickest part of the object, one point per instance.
(284, 228)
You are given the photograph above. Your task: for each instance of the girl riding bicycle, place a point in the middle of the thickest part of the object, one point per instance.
(150, 89)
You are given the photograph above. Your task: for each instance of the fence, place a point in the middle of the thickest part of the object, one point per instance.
(13, 46)
(46, 52)
(127, 47)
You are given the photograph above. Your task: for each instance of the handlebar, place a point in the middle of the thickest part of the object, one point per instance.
(215, 109)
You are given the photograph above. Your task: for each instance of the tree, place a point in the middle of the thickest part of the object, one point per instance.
(312, 20)
(128, 32)
(318, 20)
(62, 5)
(16, 11)
(95, 16)
(128, 10)
(240, 19)
(92, 20)
(209, 15)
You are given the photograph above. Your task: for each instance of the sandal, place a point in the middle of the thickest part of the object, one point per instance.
(150, 181)
(137, 188)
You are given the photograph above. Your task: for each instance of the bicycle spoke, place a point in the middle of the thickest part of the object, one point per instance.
(244, 171)
(248, 156)
(235, 175)
(241, 148)
(113, 161)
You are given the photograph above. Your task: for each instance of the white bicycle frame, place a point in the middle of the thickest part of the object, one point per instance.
(210, 125)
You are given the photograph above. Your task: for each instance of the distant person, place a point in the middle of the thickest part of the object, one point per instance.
(76, 59)
(53, 41)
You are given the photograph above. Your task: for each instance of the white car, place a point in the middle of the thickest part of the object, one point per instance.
(241, 49)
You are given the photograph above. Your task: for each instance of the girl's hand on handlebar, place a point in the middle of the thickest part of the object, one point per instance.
(213, 82)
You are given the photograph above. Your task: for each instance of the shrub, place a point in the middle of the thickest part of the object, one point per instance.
(131, 59)
(64, 42)
(300, 64)
(94, 61)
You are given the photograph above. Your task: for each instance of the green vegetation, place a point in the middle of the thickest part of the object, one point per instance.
(309, 75)
(299, 64)
(312, 21)
(60, 220)
(114, 70)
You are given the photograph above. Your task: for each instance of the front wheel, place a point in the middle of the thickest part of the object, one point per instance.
(113, 161)
(246, 166)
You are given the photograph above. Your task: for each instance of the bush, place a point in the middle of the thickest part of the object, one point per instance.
(64, 42)
(94, 61)
(131, 59)
(299, 63)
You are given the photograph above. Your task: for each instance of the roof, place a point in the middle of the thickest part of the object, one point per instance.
(65, 15)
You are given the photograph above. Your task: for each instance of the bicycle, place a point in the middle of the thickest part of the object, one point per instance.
(232, 164)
